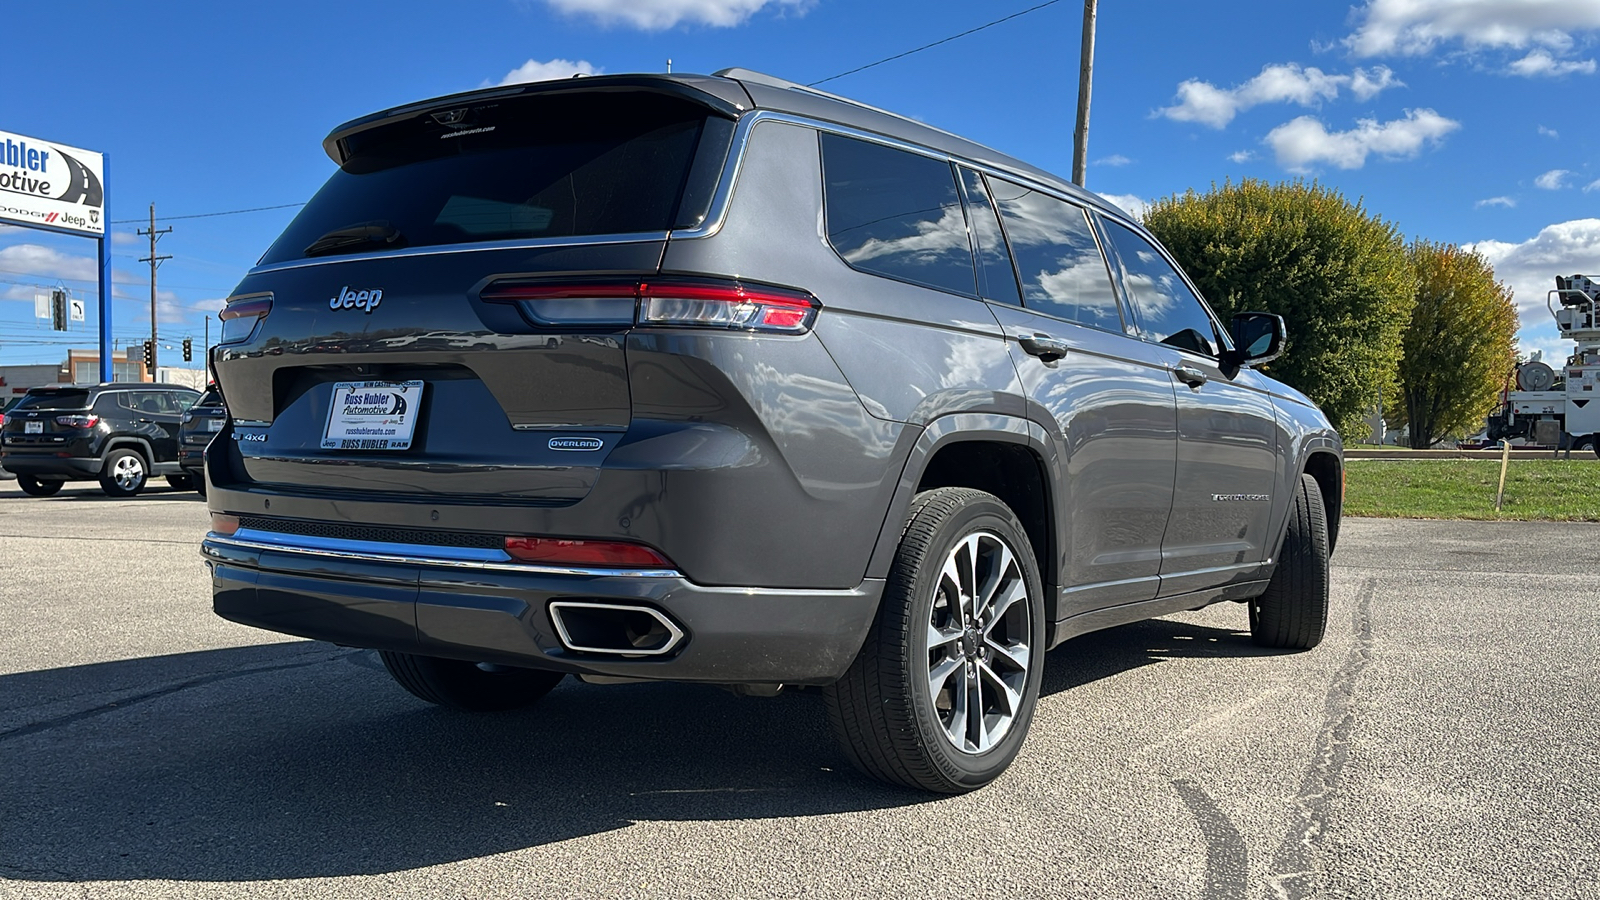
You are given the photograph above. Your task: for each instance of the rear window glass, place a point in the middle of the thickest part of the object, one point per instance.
(55, 400)
(504, 169)
(896, 213)
(1063, 273)
(209, 398)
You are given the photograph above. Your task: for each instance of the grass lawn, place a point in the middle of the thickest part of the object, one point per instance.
(1556, 490)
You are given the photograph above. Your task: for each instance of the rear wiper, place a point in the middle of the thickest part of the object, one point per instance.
(356, 237)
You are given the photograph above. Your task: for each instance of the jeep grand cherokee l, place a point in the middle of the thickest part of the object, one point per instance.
(721, 379)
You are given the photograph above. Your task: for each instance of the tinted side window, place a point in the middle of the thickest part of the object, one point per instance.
(1063, 273)
(1166, 310)
(996, 279)
(896, 213)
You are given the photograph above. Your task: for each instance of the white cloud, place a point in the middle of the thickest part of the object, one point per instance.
(1540, 62)
(47, 263)
(125, 239)
(1529, 268)
(1203, 102)
(1549, 132)
(1115, 159)
(1495, 201)
(1242, 156)
(534, 70)
(1130, 204)
(1303, 142)
(655, 15)
(1415, 27)
(1553, 180)
(1592, 186)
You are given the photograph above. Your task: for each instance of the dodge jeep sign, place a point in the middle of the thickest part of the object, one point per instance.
(42, 183)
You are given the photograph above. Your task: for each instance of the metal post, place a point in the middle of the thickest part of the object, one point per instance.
(1080, 137)
(107, 369)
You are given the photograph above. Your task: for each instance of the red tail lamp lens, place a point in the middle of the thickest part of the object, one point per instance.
(559, 551)
(222, 524)
(78, 421)
(239, 317)
(671, 301)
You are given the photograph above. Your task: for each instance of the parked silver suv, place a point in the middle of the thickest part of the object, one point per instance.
(722, 379)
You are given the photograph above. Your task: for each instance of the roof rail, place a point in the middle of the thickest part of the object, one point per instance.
(754, 77)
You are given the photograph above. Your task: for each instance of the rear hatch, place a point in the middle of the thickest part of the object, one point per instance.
(47, 418)
(377, 349)
(204, 419)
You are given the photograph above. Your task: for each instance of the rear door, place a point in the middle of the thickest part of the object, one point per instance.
(1227, 463)
(1107, 394)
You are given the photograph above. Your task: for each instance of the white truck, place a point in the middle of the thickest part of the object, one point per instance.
(1562, 408)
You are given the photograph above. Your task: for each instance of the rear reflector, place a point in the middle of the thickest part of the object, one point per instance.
(557, 551)
(666, 301)
(221, 524)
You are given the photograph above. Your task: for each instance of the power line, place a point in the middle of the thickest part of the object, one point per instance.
(231, 212)
(935, 43)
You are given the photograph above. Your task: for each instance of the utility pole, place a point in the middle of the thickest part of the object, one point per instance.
(155, 262)
(1080, 137)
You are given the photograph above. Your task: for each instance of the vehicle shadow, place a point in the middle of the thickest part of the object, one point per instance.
(302, 760)
(75, 491)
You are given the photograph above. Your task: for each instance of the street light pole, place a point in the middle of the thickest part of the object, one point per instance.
(1080, 137)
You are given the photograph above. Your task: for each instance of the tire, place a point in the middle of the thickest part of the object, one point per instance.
(466, 685)
(895, 716)
(124, 474)
(33, 487)
(1293, 613)
(181, 482)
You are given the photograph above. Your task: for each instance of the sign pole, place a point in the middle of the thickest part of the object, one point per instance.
(107, 369)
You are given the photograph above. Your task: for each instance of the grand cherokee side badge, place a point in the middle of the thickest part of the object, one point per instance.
(575, 443)
(1253, 498)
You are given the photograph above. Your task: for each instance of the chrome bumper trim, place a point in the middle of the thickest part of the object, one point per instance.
(407, 554)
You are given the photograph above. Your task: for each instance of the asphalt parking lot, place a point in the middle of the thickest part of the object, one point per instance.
(1444, 741)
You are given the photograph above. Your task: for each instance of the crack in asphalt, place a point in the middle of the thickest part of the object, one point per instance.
(1293, 866)
(1227, 858)
(81, 715)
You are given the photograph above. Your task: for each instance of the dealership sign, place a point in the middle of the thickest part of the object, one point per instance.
(53, 185)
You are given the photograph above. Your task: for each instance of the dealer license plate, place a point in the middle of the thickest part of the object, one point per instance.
(33, 428)
(372, 415)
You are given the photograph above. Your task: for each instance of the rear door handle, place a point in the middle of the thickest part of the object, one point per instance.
(1189, 375)
(1047, 348)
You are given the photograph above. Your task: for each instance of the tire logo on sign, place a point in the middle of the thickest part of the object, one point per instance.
(576, 443)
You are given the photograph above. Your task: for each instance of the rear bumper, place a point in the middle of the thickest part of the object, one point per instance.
(49, 466)
(468, 604)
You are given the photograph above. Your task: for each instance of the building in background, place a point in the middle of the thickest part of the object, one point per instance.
(83, 367)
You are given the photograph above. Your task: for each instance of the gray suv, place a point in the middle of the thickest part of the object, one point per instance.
(722, 379)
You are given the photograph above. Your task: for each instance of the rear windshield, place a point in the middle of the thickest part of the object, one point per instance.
(55, 400)
(209, 398)
(510, 168)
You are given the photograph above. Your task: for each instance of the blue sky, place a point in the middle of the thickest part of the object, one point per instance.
(1467, 121)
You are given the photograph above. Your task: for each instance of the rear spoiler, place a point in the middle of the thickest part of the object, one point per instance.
(723, 96)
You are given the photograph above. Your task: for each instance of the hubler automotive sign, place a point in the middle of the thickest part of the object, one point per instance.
(42, 183)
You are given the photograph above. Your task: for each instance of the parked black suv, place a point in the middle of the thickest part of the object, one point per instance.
(201, 422)
(119, 433)
(723, 379)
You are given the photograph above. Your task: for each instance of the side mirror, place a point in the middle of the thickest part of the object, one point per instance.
(1258, 337)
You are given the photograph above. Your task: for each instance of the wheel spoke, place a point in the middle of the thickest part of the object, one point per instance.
(1013, 699)
(939, 674)
(956, 728)
(1016, 654)
(942, 637)
(1017, 590)
(992, 584)
(976, 732)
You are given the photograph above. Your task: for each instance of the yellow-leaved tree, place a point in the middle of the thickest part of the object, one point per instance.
(1458, 348)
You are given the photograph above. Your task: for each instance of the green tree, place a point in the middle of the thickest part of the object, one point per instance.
(1458, 347)
(1337, 274)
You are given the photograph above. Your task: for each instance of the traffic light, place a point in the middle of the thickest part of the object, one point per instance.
(150, 355)
(188, 349)
(58, 310)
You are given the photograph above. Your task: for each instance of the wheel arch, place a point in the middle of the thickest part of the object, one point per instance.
(1328, 469)
(1000, 455)
(137, 444)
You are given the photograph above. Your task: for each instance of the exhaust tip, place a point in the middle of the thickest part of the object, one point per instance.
(614, 629)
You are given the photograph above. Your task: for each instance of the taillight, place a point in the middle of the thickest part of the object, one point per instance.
(78, 421)
(240, 315)
(559, 551)
(667, 301)
(224, 524)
